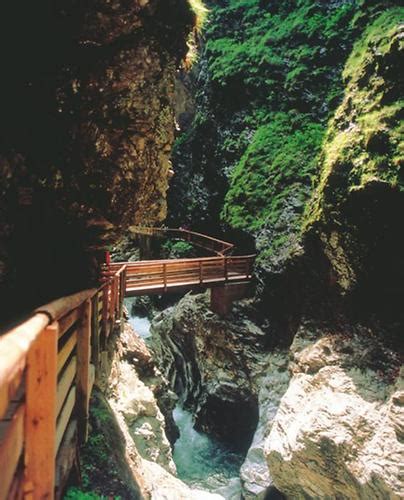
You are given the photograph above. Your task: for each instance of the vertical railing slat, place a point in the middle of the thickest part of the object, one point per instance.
(83, 371)
(40, 421)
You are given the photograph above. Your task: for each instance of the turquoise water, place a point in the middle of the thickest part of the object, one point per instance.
(140, 324)
(202, 462)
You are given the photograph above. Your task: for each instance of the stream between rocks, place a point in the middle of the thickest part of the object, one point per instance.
(202, 462)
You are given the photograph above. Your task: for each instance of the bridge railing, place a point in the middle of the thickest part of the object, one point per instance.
(164, 274)
(200, 240)
(48, 365)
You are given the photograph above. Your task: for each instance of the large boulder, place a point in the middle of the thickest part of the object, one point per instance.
(338, 430)
(214, 363)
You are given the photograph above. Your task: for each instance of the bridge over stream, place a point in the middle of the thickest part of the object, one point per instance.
(50, 362)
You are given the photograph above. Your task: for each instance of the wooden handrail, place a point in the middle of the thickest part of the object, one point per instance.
(46, 372)
(145, 263)
(209, 243)
(49, 362)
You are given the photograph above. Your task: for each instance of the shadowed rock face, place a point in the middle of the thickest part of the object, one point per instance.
(213, 364)
(86, 129)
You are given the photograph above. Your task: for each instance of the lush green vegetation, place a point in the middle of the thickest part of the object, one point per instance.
(278, 163)
(270, 78)
(364, 140)
(176, 249)
(289, 60)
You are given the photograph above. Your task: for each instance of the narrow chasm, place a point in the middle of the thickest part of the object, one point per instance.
(212, 433)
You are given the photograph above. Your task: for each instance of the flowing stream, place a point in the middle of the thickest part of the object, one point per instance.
(202, 462)
(141, 324)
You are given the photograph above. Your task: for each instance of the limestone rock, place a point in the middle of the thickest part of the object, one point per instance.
(135, 401)
(232, 491)
(337, 431)
(215, 363)
(91, 153)
(254, 472)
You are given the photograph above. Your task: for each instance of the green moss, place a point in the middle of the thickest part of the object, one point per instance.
(275, 171)
(364, 140)
(77, 494)
(271, 78)
(278, 52)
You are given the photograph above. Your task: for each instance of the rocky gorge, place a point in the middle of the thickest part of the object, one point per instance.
(302, 379)
(285, 137)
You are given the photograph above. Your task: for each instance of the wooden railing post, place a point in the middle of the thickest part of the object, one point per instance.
(105, 313)
(200, 272)
(95, 332)
(225, 268)
(83, 371)
(122, 293)
(112, 299)
(40, 419)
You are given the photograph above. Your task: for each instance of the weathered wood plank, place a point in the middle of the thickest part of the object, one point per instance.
(16, 491)
(95, 332)
(58, 308)
(66, 350)
(66, 457)
(64, 418)
(67, 321)
(65, 383)
(40, 421)
(11, 444)
(9, 389)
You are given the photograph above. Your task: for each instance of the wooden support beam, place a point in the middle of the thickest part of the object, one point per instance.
(65, 417)
(95, 332)
(122, 297)
(40, 421)
(66, 350)
(66, 457)
(83, 371)
(165, 276)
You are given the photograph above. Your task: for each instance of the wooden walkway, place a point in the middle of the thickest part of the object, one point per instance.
(50, 362)
(162, 276)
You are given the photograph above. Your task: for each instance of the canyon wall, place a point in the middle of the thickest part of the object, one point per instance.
(87, 125)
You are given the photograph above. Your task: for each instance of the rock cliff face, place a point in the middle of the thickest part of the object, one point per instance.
(87, 125)
(329, 408)
(360, 192)
(213, 364)
(338, 430)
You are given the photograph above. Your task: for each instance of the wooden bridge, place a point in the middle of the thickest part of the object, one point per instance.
(50, 362)
(173, 275)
